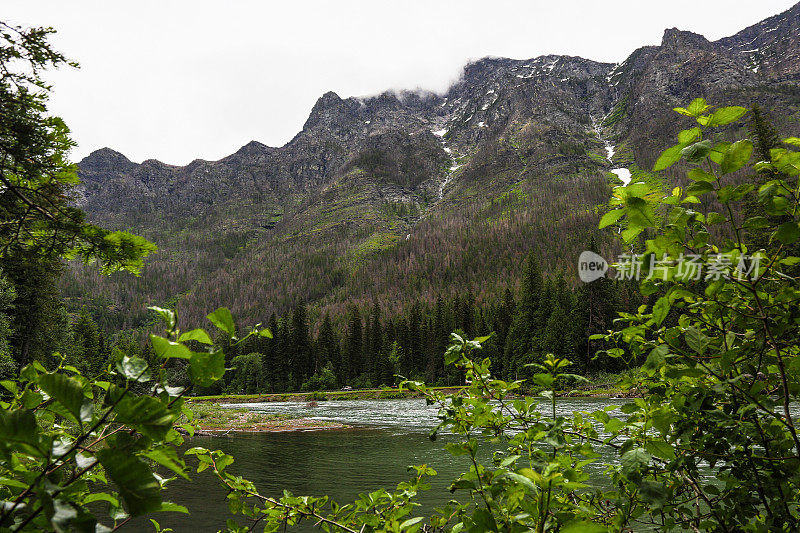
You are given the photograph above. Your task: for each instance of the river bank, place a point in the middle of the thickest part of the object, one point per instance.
(214, 419)
(593, 390)
(364, 394)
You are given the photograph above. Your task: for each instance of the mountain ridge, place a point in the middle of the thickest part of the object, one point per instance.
(390, 197)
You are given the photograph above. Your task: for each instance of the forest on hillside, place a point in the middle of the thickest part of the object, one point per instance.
(373, 350)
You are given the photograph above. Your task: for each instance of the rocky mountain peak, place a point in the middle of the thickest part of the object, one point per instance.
(327, 108)
(253, 148)
(105, 159)
(675, 38)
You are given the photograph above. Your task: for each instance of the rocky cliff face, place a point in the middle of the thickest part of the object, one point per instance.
(371, 184)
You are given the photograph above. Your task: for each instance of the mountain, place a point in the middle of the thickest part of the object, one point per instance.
(404, 196)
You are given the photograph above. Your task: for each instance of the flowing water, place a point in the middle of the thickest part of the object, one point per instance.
(385, 437)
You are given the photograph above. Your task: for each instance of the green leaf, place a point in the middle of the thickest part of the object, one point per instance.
(168, 315)
(31, 399)
(785, 161)
(697, 107)
(634, 460)
(484, 520)
(138, 487)
(640, 213)
(583, 526)
(653, 492)
(69, 393)
(146, 414)
(223, 319)
(656, 358)
(411, 522)
(18, 429)
(699, 188)
(134, 368)
(10, 386)
(169, 507)
(726, 115)
(697, 152)
(794, 141)
(101, 497)
(198, 335)
(736, 156)
(611, 217)
(613, 425)
(689, 136)
(265, 333)
(631, 233)
(668, 157)
(660, 449)
(661, 309)
(168, 458)
(718, 152)
(205, 368)
(715, 218)
(522, 480)
(788, 232)
(756, 223)
(698, 174)
(696, 340)
(166, 349)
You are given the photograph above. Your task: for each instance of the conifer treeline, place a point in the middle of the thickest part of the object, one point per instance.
(371, 350)
(370, 346)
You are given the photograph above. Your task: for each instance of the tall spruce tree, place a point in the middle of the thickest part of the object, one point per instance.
(353, 346)
(328, 348)
(527, 317)
(379, 355)
(596, 307)
(85, 351)
(302, 356)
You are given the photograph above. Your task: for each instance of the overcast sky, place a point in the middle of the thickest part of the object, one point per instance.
(179, 80)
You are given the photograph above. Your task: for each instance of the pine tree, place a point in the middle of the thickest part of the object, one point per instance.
(367, 356)
(353, 347)
(556, 333)
(415, 341)
(270, 361)
(595, 309)
(764, 133)
(85, 350)
(302, 357)
(505, 314)
(527, 317)
(379, 355)
(440, 334)
(403, 348)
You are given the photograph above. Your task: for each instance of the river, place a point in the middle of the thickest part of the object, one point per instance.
(386, 436)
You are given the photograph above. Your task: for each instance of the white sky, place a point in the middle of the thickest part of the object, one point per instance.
(179, 80)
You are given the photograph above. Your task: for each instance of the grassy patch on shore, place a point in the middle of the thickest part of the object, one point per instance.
(213, 418)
